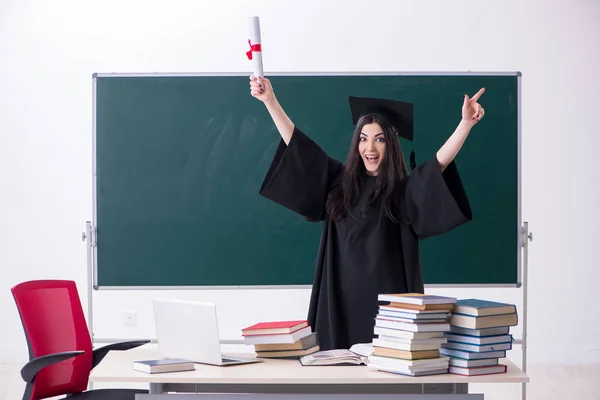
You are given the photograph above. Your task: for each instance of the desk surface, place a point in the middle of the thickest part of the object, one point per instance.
(117, 366)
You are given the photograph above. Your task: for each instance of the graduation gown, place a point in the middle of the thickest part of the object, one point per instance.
(361, 256)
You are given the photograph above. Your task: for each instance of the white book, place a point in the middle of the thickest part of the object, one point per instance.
(438, 368)
(412, 311)
(416, 298)
(163, 365)
(408, 318)
(413, 316)
(380, 330)
(490, 321)
(401, 362)
(437, 341)
(415, 373)
(405, 346)
(412, 327)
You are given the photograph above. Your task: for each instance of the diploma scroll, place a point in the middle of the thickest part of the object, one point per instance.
(255, 52)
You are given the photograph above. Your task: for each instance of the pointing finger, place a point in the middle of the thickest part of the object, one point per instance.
(478, 95)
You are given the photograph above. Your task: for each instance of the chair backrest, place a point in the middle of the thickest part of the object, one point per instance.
(54, 322)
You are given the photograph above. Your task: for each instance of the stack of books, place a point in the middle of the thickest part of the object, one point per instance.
(281, 339)
(479, 336)
(409, 332)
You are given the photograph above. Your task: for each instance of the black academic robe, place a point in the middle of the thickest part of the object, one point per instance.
(361, 256)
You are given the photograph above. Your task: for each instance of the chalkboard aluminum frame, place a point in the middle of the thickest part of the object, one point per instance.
(90, 234)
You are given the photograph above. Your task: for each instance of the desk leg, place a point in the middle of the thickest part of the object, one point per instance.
(157, 388)
(444, 388)
(460, 388)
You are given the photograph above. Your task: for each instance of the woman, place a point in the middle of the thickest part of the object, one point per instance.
(374, 212)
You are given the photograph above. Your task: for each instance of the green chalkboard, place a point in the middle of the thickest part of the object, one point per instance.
(178, 162)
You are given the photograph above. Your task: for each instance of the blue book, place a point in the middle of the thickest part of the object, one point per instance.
(467, 355)
(480, 333)
(476, 348)
(485, 362)
(480, 308)
(478, 340)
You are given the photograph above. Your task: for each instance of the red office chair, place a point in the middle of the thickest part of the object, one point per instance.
(60, 349)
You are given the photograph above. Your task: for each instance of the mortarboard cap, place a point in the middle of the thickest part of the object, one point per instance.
(398, 113)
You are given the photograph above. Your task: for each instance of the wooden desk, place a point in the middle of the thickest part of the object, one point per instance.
(288, 376)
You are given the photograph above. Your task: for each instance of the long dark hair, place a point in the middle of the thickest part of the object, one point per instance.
(392, 170)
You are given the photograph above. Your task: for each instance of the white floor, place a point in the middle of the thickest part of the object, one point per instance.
(547, 382)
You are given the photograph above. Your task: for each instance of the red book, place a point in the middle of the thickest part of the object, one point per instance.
(274, 328)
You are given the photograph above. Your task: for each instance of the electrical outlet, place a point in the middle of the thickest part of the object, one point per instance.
(130, 318)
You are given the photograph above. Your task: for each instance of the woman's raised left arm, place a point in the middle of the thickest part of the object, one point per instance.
(472, 112)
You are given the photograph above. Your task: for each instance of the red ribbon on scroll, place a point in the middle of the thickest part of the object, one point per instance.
(253, 47)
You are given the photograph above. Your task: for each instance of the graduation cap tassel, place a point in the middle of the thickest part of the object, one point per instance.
(413, 163)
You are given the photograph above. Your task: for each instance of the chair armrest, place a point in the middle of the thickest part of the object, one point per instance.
(30, 370)
(101, 352)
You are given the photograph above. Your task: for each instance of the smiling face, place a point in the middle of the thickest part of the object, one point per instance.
(371, 147)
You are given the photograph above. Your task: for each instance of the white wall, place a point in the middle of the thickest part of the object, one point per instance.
(49, 50)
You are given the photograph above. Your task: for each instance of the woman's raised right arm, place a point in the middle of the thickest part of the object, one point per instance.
(300, 172)
(261, 89)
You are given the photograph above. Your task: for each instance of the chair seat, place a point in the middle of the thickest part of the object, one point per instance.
(108, 394)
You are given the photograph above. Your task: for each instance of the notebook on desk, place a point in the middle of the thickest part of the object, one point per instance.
(188, 329)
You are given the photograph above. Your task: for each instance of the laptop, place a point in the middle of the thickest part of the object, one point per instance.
(188, 329)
